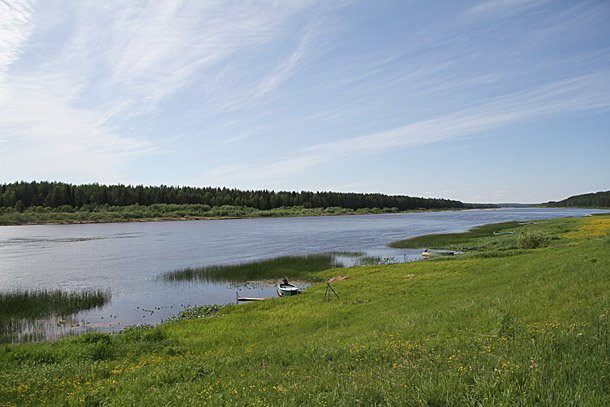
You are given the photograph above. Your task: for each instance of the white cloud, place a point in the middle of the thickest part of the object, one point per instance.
(145, 53)
(51, 140)
(503, 7)
(587, 92)
(63, 114)
(15, 29)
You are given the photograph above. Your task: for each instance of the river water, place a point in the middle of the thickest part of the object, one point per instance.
(127, 259)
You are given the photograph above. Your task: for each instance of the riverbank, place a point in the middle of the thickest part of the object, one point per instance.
(496, 326)
(164, 213)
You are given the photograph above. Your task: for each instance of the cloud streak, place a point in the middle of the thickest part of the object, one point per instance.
(66, 113)
(503, 7)
(15, 29)
(583, 93)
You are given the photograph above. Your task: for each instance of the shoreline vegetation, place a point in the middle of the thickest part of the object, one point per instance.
(169, 212)
(57, 202)
(22, 309)
(507, 323)
(301, 267)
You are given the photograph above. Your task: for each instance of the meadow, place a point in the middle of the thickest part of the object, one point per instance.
(502, 324)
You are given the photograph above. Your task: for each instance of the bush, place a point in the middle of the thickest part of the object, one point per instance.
(142, 333)
(94, 337)
(533, 240)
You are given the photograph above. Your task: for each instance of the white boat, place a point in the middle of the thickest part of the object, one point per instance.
(285, 290)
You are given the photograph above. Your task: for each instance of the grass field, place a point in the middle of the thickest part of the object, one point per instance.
(503, 325)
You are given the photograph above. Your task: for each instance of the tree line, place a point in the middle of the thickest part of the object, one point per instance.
(23, 195)
(592, 200)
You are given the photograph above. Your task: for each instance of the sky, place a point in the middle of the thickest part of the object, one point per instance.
(480, 101)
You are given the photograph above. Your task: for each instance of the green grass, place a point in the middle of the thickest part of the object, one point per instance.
(526, 329)
(524, 235)
(453, 240)
(18, 308)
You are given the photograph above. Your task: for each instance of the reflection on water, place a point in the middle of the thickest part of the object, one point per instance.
(35, 330)
(126, 259)
(41, 314)
(37, 240)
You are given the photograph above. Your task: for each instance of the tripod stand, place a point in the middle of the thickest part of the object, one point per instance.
(330, 289)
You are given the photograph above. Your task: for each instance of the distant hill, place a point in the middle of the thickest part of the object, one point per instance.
(592, 200)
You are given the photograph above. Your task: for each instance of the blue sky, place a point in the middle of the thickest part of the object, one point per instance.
(481, 101)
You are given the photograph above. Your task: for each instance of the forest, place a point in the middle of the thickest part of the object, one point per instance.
(68, 197)
(592, 200)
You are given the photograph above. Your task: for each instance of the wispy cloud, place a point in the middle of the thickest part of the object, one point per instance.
(267, 90)
(119, 61)
(588, 92)
(503, 7)
(143, 53)
(15, 28)
(62, 141)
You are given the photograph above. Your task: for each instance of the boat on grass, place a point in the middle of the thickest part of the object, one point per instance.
(437, 253)
(287, 289)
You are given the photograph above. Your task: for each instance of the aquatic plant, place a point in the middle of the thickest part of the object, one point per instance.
(20, 309)
(279, 267)
(30, 304)
(204, 311)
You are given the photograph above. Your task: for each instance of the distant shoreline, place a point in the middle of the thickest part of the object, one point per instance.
(262, 214)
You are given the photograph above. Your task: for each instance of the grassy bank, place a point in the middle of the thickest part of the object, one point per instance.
(164, 212)
(456, 241)
(530, 328)
(496, 237)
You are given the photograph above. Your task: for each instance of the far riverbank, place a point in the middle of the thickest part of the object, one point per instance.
(164, 213)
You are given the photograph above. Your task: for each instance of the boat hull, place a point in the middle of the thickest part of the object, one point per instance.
(284, 290)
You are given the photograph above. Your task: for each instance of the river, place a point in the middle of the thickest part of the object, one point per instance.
(127, 259)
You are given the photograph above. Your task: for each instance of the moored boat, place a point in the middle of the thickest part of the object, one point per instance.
(285, 290)
(427, 253)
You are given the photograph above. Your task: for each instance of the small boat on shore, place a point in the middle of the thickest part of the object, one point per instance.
(427, 253)
(286, 290)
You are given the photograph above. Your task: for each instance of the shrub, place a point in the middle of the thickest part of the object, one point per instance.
(142, 333)
(533, 240)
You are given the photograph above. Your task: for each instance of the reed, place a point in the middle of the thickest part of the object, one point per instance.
(286, 266)
(25, 311)
(38, 304)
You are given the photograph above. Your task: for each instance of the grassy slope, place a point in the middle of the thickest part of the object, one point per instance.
(530, 328)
